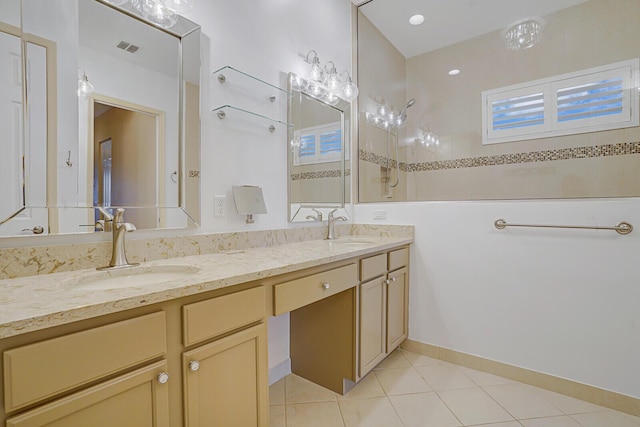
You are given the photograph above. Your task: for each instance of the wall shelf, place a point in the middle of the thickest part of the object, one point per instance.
(230, 74)
(244, 86)
(223, 111)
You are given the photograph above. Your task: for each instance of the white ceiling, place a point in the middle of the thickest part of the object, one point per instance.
(449, 21)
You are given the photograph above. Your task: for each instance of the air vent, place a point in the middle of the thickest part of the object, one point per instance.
(131, 48)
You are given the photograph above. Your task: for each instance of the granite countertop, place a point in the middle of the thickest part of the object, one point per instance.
(37, 302)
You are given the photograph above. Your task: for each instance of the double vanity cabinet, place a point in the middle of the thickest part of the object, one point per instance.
(201, 359)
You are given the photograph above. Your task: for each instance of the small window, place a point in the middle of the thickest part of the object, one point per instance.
(319, 144)
(589, 100)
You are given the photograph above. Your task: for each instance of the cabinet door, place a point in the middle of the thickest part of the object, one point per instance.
(226, 382)
(372, 324)
(136, 399)
(397, 298)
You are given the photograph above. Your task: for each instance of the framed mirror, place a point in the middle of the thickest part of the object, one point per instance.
(535, 99)
(132, 140)
(318, 156)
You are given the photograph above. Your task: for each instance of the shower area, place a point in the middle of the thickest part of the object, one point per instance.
(425, 118)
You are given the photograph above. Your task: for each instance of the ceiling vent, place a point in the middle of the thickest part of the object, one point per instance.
(131, 48)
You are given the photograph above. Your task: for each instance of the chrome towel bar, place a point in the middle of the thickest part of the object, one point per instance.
(620, 228)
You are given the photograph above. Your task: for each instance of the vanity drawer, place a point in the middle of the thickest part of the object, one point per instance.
(297, 293)
(398, 259)
(207, 319)
(373, 267)
(41, 370)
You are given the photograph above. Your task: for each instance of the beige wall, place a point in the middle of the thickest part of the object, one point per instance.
(591, 34)
(381, 74)
(133, 174)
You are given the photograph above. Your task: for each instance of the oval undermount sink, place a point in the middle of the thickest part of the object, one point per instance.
(353, 240)
(133, 276)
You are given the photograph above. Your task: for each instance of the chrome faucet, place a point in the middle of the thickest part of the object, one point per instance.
(331, 222)
(118, 229)
(317, 217)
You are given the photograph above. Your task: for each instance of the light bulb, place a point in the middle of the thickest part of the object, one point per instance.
(350, 91)
(85, 88)
(316, 90)
(382, 110)
(331, 99)
(391, 115)
(179, 6)
(156, 13)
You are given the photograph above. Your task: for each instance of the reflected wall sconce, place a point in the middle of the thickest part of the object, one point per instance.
(523, 34)
(85, 88)
(163, 13)
(428, 139)
(324, 82)
(385, 118)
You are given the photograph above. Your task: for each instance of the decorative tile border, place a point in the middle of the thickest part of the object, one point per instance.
(607, 150)
(336, 173)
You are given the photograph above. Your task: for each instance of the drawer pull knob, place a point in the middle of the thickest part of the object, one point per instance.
(326, 286)
(194, 365)
(163, 377)
(393, 279)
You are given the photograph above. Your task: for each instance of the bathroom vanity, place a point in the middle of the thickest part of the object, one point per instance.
(192, 350)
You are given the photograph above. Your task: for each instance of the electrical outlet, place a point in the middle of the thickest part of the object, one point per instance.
(219, 206)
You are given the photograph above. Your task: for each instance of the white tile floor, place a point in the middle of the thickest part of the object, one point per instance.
(409, 389)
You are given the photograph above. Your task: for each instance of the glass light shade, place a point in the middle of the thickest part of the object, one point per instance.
(316, 90)
(85, 88)
(383, 110)
(334, 82)
(331, 98)
(156, 13)
(350, 91)
(523, 35)
(117, 2)
(179, 6)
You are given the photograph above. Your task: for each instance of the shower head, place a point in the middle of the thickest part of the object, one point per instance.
(407, 105)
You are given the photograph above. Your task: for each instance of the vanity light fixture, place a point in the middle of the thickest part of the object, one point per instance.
(523, 34)
(163, 13)
(325, 83)
(85, 88)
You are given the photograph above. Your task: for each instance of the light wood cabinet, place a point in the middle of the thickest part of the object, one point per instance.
(372, 324)
(135, 399)
(135, 369)
(397, 294)
(225, 382)
(383, 306)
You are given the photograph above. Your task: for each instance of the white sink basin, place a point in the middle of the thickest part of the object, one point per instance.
(353, 240)
(132, 276)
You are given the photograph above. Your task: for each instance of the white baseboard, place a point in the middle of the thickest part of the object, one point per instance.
(279, 371)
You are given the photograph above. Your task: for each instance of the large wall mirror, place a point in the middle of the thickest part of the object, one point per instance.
(133, 141)
(318, 156)
(511, 100)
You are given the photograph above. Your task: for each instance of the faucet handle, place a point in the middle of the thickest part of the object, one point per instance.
(118, 218)
(319, 214)
(331, 213)
(105, 213)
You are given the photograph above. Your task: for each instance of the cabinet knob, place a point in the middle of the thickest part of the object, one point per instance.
(326, 286)
(194, 365)
(393, 279)
(163, 377)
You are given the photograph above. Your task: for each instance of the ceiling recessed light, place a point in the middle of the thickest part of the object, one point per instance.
(416, 20)
(454, 72)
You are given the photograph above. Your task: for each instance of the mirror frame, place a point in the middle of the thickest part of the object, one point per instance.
(191, 208)
(300, 212)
